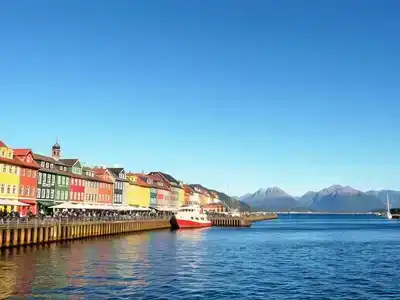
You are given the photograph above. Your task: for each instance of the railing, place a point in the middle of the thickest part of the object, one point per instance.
(53, 221)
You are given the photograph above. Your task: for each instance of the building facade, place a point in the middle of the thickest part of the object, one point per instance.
(91, 186)
(77, 181)
(202, 193)
(106, 186)
(119, 178)
(28, 174)
(138, 191)
(9, 178)
(177, 193)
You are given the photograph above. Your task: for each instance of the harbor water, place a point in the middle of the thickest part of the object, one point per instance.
(292, 257)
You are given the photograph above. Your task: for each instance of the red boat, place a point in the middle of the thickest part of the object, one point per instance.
(191, 216)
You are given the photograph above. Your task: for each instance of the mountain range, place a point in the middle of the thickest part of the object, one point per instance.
(336, 198)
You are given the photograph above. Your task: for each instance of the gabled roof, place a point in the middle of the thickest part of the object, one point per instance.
(202, 189)
(115, 172)
(101, 172)
(188, 189)
(155, 183)
(21, 155)
(2, 144)
(69, 161)
(47, 159)
(141, 179)
(167, 177)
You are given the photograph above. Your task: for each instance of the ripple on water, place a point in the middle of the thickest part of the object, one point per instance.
(294, 257)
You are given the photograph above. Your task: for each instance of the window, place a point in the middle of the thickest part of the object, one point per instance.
(23, 172)
(72, 181)
(52, 194)
(47, 165)
(57, 194)
(22, 190)
(34, 174)
(66, 180)
(51, 166)
(49, 178)
(8, 189)
(10, 169)
(63, 180)
(44, 177)
(16, 170)
(29, 173)
(28, 159)
(2, 188)
(80, 182)
(47, 193)
(53, 179)
(72, 195)
(38, 193)
(14, 189)
(66, 195)
(65, 169)
(9, 154)
(4, 168)
(42, 164)
(61, 168)
(28, 191)
(33, 192)
(79, 196)
(3, 153)
(58, 180)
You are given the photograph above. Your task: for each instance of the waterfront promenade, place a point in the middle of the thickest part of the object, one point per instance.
(32, 232)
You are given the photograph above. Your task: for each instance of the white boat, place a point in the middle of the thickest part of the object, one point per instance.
(190, 216)
(388, 213)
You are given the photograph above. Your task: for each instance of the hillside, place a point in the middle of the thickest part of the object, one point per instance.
(270, 199)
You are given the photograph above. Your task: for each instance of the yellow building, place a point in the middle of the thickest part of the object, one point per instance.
(138, 191)
(181, 194)
(9, 178)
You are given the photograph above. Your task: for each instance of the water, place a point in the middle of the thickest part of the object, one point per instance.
(294, 257)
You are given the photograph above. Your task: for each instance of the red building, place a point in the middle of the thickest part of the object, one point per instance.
(77, 188)
(28, 180)
(106, 186)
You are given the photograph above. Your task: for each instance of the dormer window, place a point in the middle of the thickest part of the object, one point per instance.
(9, 154)
(42, 164)
(3, 153)
(51, 166)
(65, 168)
(47, 165)
(61, 168)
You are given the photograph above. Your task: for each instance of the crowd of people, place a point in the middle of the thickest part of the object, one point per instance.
(82, 215)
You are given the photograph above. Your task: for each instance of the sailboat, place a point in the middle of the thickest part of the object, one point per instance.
(388, 214)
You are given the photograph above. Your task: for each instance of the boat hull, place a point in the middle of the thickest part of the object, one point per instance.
(192, 224)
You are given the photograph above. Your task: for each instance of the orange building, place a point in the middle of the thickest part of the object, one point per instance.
(106, 186)
(27, 180)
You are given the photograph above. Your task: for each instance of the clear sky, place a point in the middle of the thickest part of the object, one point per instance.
(235, 95)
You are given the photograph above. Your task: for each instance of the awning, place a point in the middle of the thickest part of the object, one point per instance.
(6, 202)
(46, 203)
(139, 208)
(66, 205)
(165, 208)
(31, 202)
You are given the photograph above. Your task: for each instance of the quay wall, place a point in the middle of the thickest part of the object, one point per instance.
(18, 236)
(257, 218)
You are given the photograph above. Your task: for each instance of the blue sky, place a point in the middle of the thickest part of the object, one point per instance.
(235, 95)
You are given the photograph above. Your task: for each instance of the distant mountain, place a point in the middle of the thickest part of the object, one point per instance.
(394, 197)
(337, 198)
(270, 199)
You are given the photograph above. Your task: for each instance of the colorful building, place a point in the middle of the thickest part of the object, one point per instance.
(138, 190)
(120, 181)
(160, 193)
(202, 193)
(92, 183)
(10, 168)
(77, 183)
(106, 186)
(177, 196)
(53, 179)
(215, 207)
(28, 174)
(190, 196)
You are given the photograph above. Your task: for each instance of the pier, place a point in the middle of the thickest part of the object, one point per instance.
(41, 232)
(242, 221)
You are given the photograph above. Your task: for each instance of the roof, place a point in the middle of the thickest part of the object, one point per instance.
(188, 189)
(167, 177)
(21, 154)
(16, 162)
(100, 172)
(2, 144)
(203, 190)
(154, 183)
(48, 159)
(141, 179)
(69, 161)
(115, 172)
